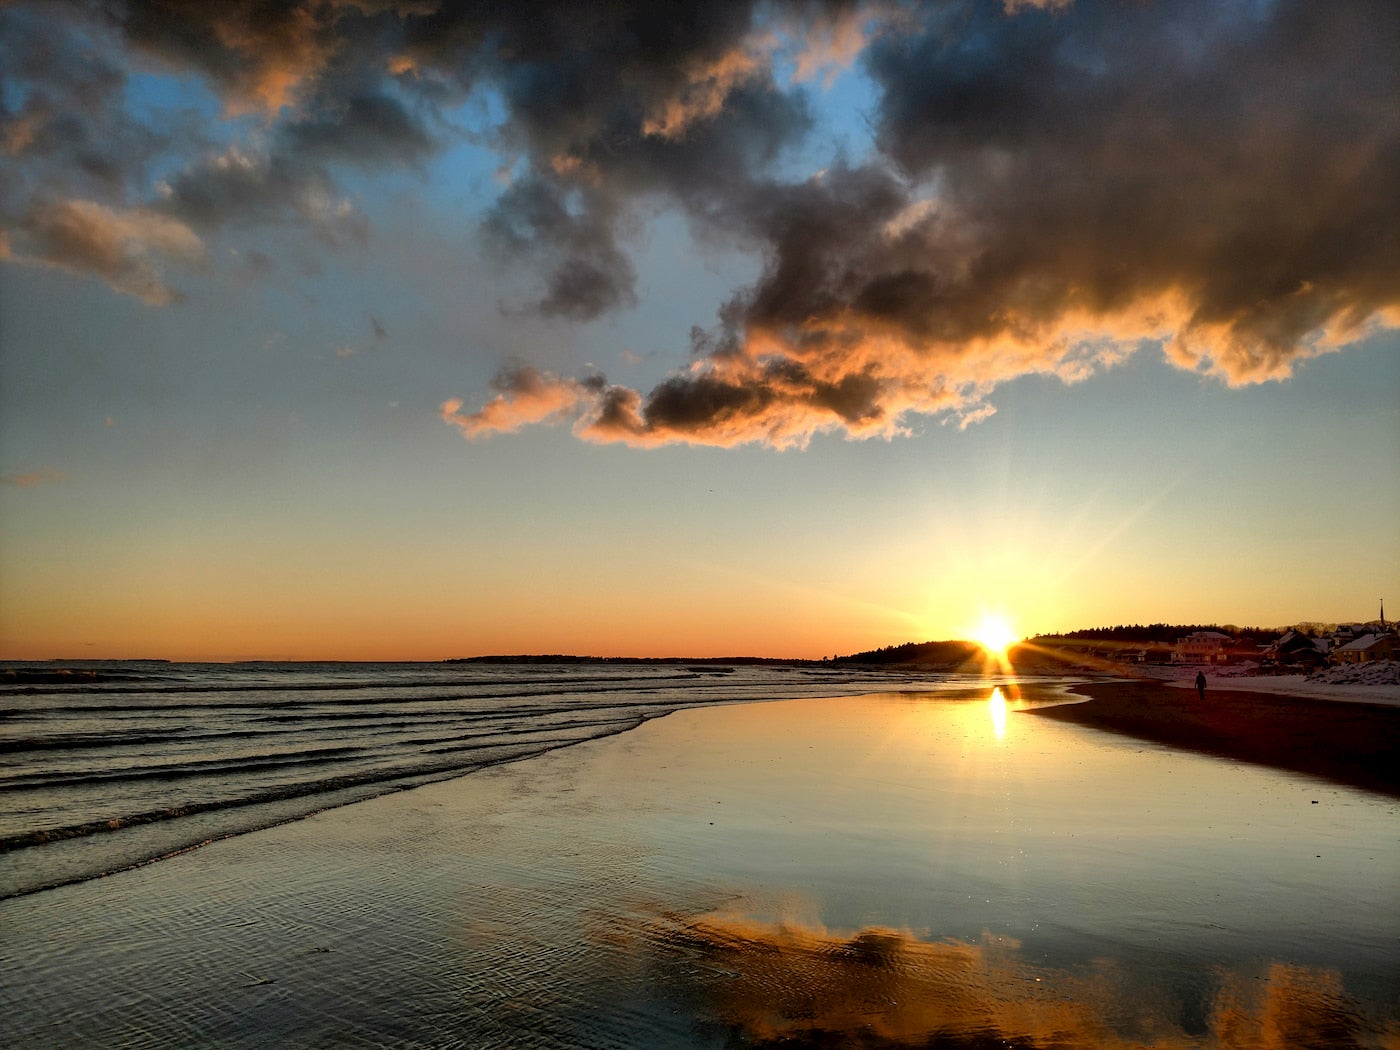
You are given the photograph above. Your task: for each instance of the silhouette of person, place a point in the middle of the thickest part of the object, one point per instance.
(1201, 684)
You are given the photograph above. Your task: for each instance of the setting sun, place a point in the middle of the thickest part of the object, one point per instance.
(994, 634)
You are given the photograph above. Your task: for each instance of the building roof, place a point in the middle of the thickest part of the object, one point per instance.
(1366, 641)
(1294, 640)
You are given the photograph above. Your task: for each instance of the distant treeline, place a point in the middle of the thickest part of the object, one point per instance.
(1160, 632)
(917, 653)
(957, 653)
(563, 658)
(947, 653)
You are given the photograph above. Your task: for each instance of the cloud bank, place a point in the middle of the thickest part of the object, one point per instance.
(1051, 185)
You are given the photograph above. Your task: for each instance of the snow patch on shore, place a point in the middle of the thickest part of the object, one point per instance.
(1186, 673)
(1372, 672)
(1377, 682)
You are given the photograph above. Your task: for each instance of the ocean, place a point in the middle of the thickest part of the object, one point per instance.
(120, 764)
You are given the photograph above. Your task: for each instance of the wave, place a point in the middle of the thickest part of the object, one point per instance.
(130, 764)
(319, 794)
(295, 704)
(258, 763)
(102, 682)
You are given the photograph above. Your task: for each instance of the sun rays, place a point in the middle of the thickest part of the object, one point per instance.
(995, 635)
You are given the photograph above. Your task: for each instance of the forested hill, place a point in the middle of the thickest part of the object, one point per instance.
(918, 653)
(956, 653)
(1159, 632)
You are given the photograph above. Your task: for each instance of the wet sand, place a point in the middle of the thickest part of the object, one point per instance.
(1357, 744)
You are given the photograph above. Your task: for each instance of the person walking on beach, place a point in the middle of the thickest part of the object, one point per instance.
(1201, 684)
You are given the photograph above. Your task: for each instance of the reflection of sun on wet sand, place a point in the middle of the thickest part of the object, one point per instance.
(794, 986)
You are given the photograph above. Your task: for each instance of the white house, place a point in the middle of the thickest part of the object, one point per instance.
(1201, 647)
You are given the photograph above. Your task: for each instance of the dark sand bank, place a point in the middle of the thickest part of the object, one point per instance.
(1349, 743)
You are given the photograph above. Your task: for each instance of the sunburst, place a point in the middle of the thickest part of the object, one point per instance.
(995, 635)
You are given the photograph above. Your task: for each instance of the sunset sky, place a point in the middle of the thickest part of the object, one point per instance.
(406, 329)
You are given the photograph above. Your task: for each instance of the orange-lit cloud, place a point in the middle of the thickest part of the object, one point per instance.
(260, 55)
(123, 247)
(707, 86)
(32, 478)
(783, 385)
(835, 39)
(20, 132)
(526, 397)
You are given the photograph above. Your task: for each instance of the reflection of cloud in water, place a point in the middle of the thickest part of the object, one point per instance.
(803, 987)
(1293, 1006)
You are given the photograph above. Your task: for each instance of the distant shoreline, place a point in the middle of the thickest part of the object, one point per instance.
(564, 658)
(1356, 744)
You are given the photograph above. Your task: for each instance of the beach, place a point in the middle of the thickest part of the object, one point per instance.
(1345, 738)
(907, 868)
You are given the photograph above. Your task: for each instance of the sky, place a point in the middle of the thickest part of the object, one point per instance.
(409, 329)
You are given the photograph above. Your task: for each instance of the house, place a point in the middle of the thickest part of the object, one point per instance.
(1295, 649)
(1375, 646)
(1347, 633)
(1245, 651)
(1202, 647)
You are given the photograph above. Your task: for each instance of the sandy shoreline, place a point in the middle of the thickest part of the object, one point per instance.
(1355, 743)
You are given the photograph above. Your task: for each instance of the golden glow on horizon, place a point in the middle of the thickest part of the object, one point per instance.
(257, 584)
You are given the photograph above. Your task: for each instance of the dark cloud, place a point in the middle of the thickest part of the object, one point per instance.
(366, 130)
(571, 232)
(313, 71)
(1243, 159)
(1053, 189)
(63, 128)
(258, 264)
(258, 54)
(612, 105)
(236, 187)
(605, 105)
(1053, 184)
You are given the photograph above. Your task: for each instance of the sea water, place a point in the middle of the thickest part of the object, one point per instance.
(104, 766)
